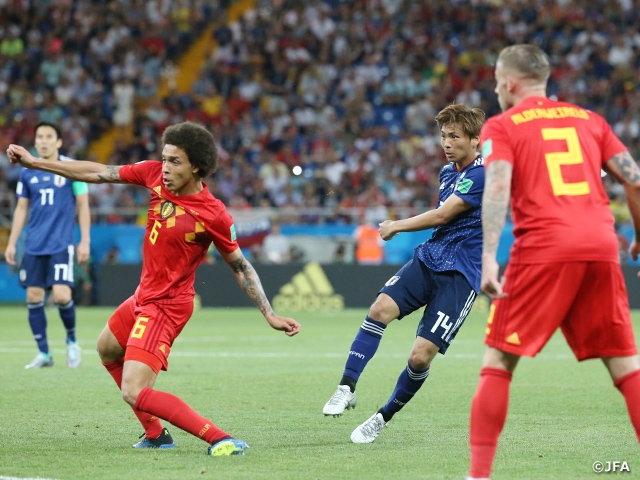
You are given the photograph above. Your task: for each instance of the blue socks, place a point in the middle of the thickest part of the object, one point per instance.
(38, 323)
(68, 316)
(408, 384)
(363, 348)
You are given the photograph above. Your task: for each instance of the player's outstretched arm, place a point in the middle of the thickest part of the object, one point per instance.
(442, 215)
(495, 202)
(250, 282)
(625, 170)
(90, 172)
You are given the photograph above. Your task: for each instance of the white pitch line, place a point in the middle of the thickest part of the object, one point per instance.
(2, 477)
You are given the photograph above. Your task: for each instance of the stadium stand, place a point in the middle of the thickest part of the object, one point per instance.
(344, 90)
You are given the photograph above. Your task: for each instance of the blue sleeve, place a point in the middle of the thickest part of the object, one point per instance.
(22, 189)
(471, 187)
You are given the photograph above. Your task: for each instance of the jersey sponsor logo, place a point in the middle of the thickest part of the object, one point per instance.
(167, 209)
(465, 185)
(308, 290)
(34, 180)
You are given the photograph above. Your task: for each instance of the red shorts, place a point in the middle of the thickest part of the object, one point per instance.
(146, 332)
(587, 300)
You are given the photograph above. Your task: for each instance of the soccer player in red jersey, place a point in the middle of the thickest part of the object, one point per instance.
(546, 158)
(183, 219)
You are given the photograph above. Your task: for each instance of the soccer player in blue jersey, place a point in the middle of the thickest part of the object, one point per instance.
(444, 274)
(49, 202)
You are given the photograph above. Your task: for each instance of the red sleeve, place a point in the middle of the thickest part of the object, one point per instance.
(143, 173)
(223, 232)
(495, 142)
(611, 144)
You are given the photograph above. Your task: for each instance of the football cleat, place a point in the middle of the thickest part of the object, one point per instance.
(73, 355)
(164, 440)
(369, 430)
(342, 399)
(228, 446)
(41, 360)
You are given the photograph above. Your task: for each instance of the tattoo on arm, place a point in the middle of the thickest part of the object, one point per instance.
(111, 174)
(250, 283)
(627, 167)
(495, 202)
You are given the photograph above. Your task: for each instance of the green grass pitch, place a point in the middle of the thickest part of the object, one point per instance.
(268, 390)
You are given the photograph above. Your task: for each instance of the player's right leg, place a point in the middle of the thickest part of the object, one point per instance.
(489, 410)
(401, 295)
(111, 349)
(363, 348)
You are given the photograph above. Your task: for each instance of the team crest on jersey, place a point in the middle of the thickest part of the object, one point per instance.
(59, 181)
(168, 209)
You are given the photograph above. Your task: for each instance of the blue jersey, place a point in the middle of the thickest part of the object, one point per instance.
(52, 209)
(458, 244)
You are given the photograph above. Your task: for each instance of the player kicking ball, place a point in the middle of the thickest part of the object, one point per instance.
(444, 274)
(184, 219)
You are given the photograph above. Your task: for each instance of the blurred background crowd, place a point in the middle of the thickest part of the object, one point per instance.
(346, 90)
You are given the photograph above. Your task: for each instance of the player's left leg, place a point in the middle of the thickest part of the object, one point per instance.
(62, 297)
(625, 372)
(408, 384)
(137, 382)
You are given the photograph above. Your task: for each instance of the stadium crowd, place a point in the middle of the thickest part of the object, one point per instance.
(345, 90)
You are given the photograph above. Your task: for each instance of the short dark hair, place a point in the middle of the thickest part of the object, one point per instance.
(470, 119)
(197, 142)
(49, 124)
(527, 60)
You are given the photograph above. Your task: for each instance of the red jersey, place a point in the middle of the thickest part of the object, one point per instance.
(179, 231)
(559, 206)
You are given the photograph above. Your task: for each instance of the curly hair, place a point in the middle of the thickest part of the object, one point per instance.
(197, 142)
(470, 119)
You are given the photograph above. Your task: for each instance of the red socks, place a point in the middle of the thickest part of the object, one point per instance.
(151, 424)
(174, 410)
(488, 415)
(629, 386)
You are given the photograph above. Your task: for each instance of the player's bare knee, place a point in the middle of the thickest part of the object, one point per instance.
(107, 350)
(420, 360)
(35, 296)
(130, 393)
(384, 309)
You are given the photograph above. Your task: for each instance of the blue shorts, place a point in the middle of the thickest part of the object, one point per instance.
(448, 297)
(44, 271)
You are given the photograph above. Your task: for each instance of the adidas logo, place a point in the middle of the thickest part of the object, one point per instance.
(308, 290)
(34, 180)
